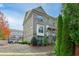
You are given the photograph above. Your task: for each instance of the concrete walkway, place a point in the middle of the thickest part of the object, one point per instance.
(24, 54)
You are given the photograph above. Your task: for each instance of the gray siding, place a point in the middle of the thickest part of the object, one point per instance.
(28, 29)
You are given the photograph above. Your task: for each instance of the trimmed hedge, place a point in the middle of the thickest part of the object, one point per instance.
(24, 42)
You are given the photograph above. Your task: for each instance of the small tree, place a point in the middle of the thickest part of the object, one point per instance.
(59, 35)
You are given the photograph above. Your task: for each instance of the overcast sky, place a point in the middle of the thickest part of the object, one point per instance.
(15, 12)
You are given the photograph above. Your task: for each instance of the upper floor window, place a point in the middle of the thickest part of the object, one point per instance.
(40, 18)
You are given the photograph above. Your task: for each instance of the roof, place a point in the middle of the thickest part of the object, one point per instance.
(38, 9)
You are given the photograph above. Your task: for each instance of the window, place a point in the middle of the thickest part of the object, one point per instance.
(40, 30)
(40, 18)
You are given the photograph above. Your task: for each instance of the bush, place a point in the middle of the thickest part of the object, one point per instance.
(34, 41)
(39, 42)
(45, 41)
(28, 43)
(23, 42)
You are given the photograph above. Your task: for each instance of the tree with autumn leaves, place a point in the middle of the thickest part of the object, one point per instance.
(4, 29)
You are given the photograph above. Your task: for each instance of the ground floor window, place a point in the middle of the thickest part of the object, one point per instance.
(40, 30)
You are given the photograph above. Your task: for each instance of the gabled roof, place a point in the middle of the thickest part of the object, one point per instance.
(38, 9)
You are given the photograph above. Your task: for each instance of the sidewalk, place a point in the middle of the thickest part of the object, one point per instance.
(25, 54)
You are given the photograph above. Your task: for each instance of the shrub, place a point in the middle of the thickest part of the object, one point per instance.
(39, 42)
(28, 43)
(23, 42)
(34, 41)
(45, 42)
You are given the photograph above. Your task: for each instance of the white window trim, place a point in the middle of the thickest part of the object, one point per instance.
(40, 34)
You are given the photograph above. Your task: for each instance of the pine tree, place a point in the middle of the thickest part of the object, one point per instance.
(59, 34)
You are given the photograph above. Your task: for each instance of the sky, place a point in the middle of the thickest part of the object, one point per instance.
(15, 12)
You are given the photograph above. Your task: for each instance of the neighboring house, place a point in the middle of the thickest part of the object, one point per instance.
(37, 23)
(15, 35)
